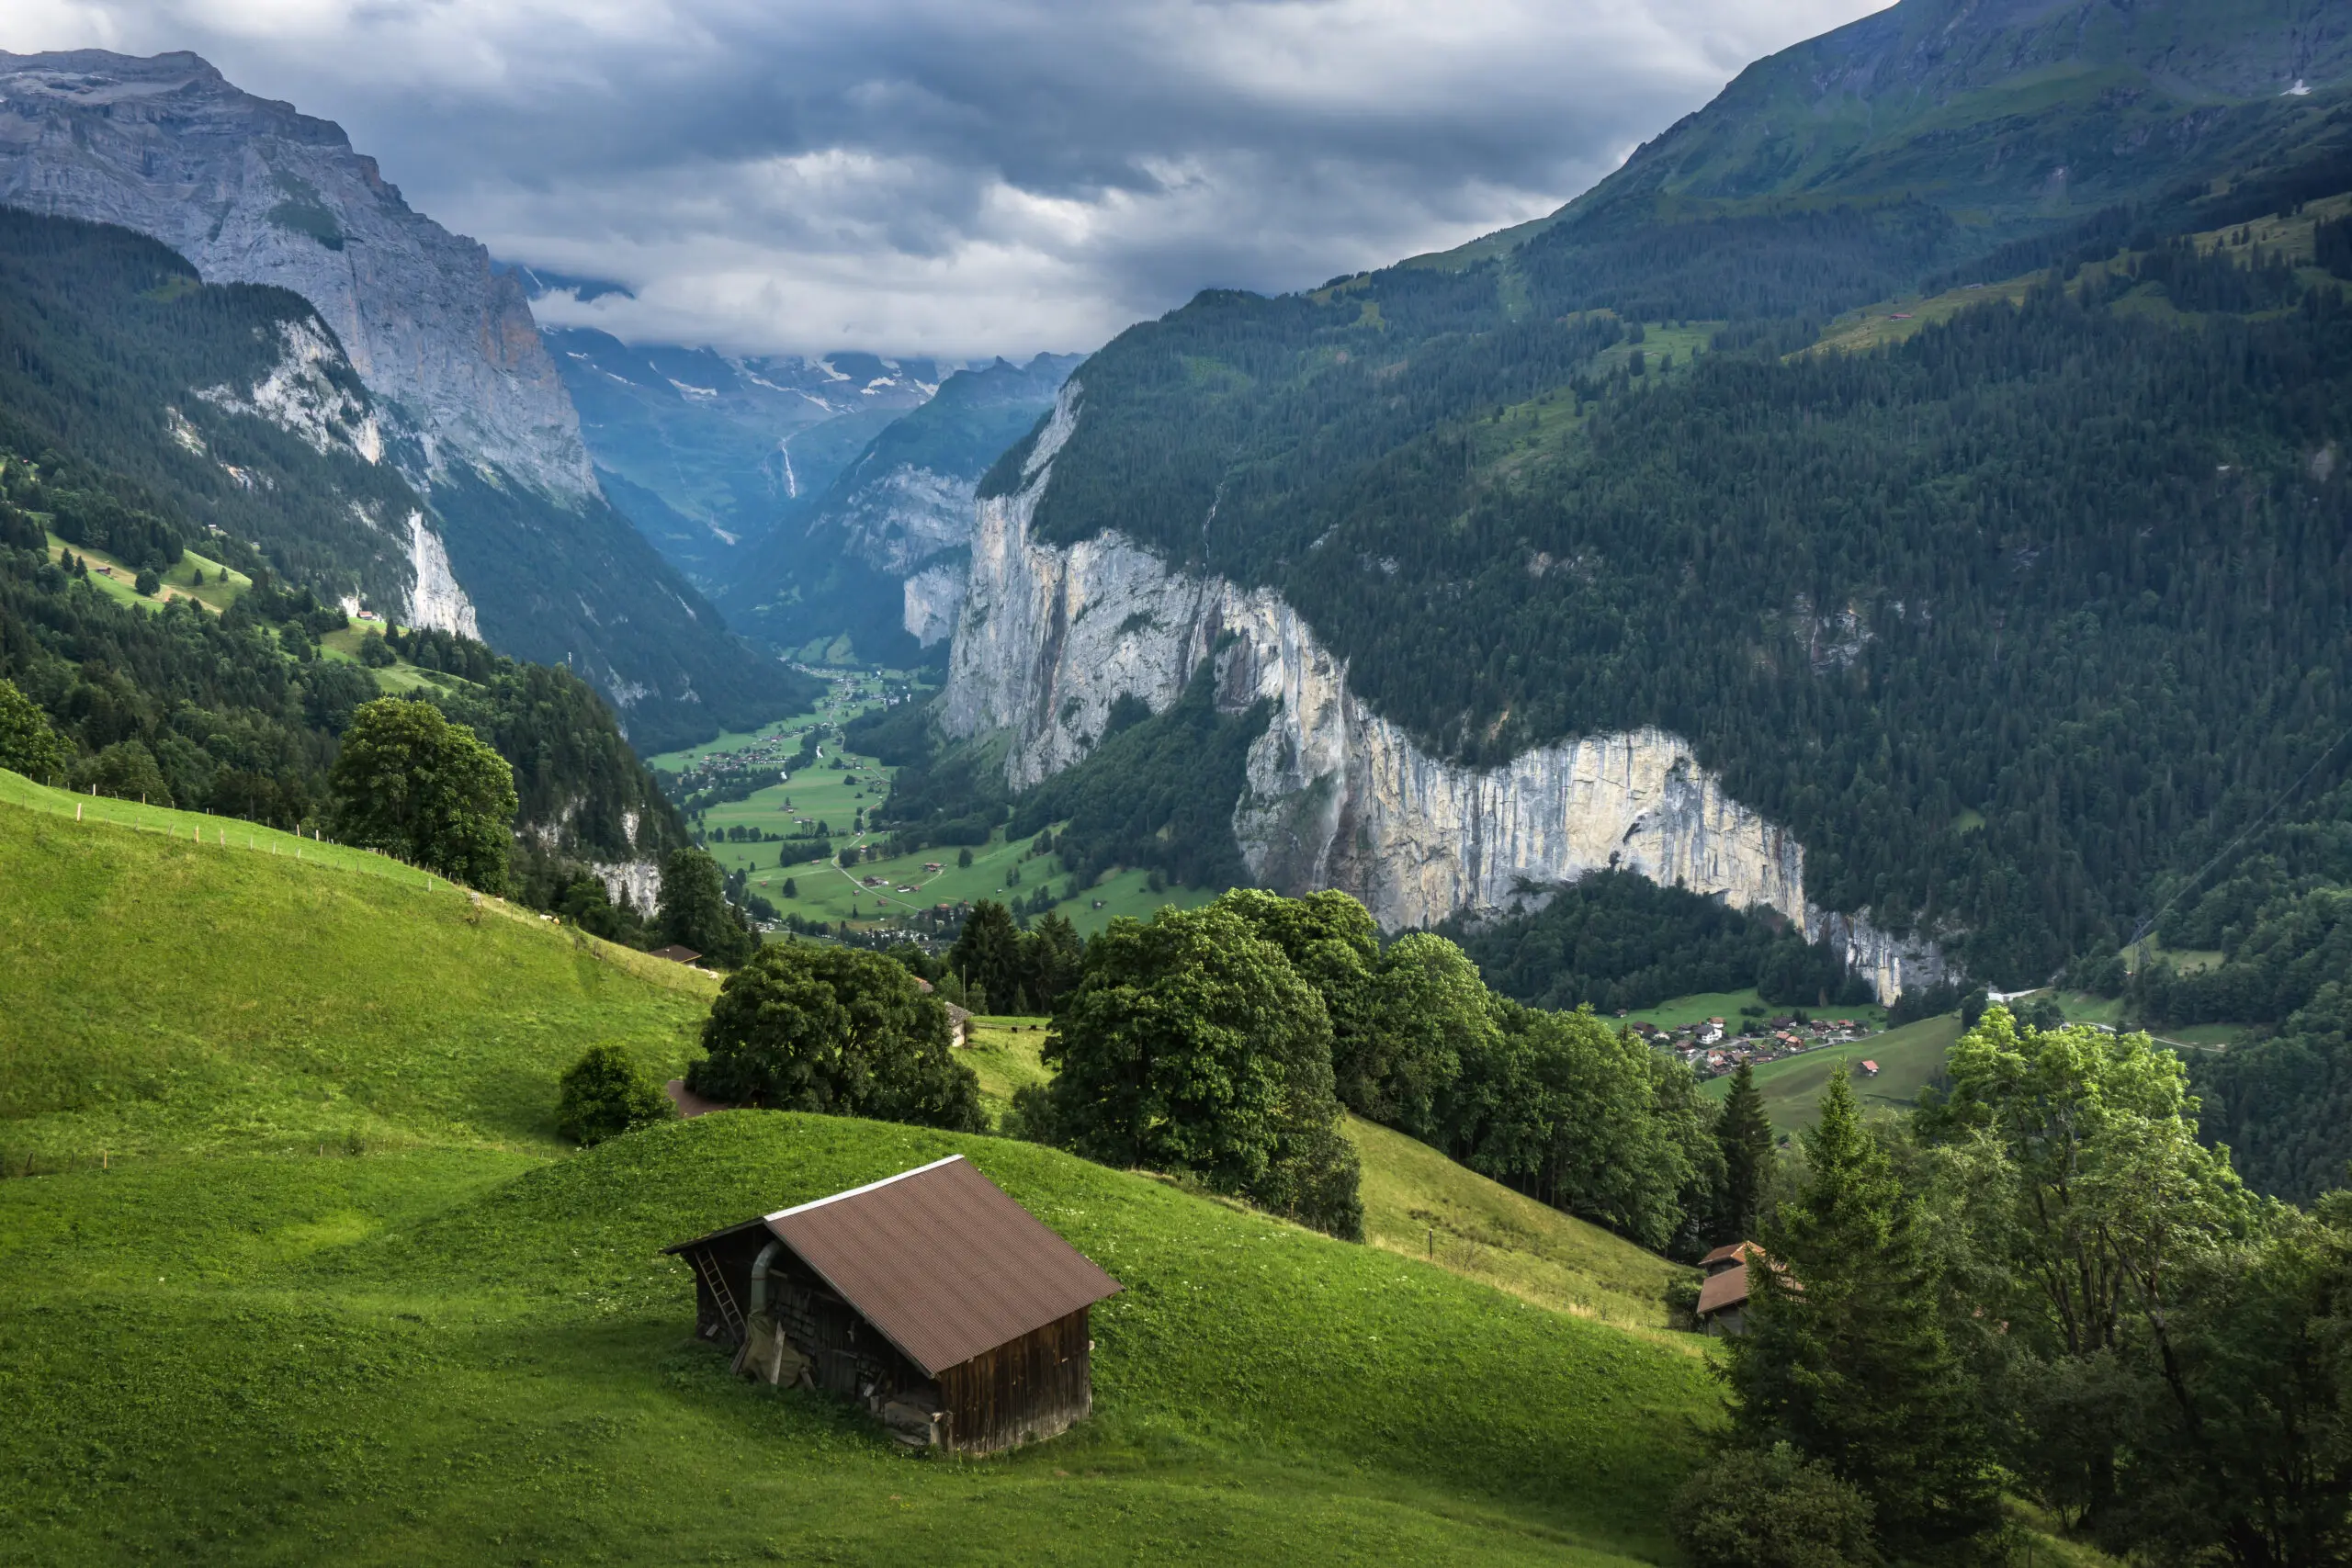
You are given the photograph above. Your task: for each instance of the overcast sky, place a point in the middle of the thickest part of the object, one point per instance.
(961, 178)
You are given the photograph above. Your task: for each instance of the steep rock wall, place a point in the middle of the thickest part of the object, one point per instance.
(249, 191)
(1049, 637)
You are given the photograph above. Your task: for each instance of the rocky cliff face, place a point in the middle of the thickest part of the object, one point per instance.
(514, 540)
(898, 516)
(249, 191)
(1048, 637)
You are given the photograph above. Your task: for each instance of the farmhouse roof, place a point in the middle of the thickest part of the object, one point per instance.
(939, 1260)
(676, 955)
(1732, 1252)
(1727, 1289)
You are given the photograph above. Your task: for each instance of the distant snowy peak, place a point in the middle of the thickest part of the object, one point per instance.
(251, 191)
(848, 381)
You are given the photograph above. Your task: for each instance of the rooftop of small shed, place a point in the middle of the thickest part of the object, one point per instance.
(938, 1259)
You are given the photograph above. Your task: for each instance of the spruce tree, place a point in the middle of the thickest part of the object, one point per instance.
(1845, 1358)
(1744, 1135)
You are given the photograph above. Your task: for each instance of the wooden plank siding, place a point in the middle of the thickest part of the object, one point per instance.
(1034, 1387)
(1023, 1391)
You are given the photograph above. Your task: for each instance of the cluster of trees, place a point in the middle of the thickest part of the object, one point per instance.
(1155, 1046)
(1194, 1044)
(995, 966)
(421, 789)
(1615, 940)
(2041, 1280)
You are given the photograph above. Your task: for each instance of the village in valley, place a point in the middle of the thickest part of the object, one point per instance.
(1715, 1046)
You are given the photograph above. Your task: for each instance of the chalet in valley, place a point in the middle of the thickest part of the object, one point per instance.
(932, 1297)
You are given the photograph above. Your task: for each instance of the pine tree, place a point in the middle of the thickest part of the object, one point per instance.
(1845, 1358)
(1744, 1135)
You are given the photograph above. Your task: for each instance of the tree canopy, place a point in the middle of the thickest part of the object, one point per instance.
(1191, 1046)
(412, 783)
(835, 1030)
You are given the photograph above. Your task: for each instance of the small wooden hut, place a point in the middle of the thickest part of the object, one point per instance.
(932, 1297)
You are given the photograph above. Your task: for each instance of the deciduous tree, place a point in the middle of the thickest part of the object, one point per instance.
(1191, 1044)
(412, 783)
(835, 1030)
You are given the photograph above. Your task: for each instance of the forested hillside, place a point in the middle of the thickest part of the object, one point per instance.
(114, 355)
(2006, 619)
(221, 698)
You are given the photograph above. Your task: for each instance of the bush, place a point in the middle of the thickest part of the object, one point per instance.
(836, 1030)
(376, 653)
(27, 743)
(604, 1094)
(1771, 1509)
(147, 584)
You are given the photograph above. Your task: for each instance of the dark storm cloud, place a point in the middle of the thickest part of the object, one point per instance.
(961, 178)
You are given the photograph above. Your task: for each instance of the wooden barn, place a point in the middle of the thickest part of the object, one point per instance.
(930, 1297)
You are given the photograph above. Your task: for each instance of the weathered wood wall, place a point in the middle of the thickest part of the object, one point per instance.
(1032, 1388)
(1029, 1389)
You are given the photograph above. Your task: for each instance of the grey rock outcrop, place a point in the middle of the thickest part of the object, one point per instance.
(251, 191)
(1048, 637)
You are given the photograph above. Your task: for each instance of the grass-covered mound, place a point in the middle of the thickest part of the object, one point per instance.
(163, 995)
(256, 1339)
(405, 1358)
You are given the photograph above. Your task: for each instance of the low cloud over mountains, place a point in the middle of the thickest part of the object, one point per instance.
(958, 180)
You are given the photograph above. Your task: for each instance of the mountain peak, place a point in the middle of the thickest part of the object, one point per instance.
(251, 190)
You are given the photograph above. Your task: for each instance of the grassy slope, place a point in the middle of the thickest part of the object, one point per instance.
(460, 1347)
(165, 996)
(1423, 1206)
(1909, 1059)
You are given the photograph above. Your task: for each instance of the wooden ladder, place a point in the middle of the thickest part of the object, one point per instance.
(728, 1313)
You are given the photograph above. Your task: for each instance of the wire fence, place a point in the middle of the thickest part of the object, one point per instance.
(202, 829)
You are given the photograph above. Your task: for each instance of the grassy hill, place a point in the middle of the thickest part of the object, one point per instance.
(1908, 1058)
(166, 996)
(259, 1339)
(1418, 1204)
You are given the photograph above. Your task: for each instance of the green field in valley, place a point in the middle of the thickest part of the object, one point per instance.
(1908, 1059)
(901, 886)
(302, 1273)
(1679, 1011)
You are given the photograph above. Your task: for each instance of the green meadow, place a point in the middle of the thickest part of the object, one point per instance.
(302, 1273)
(1908, 1059)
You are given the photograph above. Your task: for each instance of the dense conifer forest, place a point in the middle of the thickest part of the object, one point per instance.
(2010, 620)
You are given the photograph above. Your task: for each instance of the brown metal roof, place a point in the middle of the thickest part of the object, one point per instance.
(1729, 1289)
(941, 1260)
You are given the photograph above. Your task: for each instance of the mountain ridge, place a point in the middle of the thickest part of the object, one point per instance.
(472, 411)
(1500, 495)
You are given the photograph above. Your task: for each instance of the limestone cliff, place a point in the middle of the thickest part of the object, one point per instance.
(249, 191)
(1048, 637)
